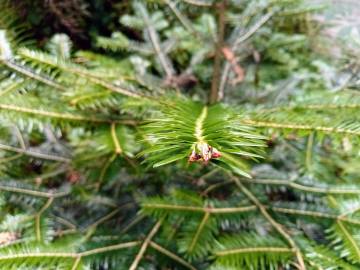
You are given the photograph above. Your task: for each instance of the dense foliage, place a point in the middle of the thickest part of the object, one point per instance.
(191, 134)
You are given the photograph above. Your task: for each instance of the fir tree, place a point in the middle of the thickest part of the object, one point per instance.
(200, 135)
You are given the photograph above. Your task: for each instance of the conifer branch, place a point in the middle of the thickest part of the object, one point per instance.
(20, 137)
(302, 187)
(34, 192)
(70, 254)
(11, 87)
(202, 3)
(213, 229)
(57, 115)
(138, 218)
(38, 216)
(204, 210)
(171, 255)
(145, 244)
(82, 73)
(303, 212)
(184, 21)
(245, 209)
(253, 250)
(118, 149)
(271, 124)
(76, 100)
(253, 29)
(109, 248)
(65, 116)
(198, 231)
(32, 75)
(276, 225)
(113, 87)
(235, 45)
(11, 158)
(216, 186)
(309, 151)
(93, 226)
(76, 263)
(350, 238)
(312, 107)
(351, 211)
(314, 214)
(155, 40)
(61, 170)
(65, 222)
(104, 169)
(38, 255)
(33, 154)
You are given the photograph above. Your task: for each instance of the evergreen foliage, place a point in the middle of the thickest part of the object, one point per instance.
(200, 134)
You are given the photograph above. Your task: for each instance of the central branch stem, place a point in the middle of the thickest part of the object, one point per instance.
(199, 124)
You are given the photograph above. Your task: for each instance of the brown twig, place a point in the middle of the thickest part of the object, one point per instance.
(236, 67)
(214, 94)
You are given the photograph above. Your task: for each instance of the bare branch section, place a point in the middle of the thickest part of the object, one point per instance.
(214, 94)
